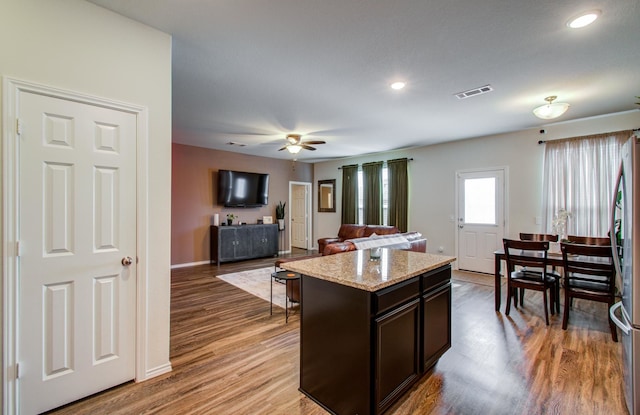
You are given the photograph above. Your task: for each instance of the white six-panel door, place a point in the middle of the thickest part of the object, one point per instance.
(299, 216)
(77, 210)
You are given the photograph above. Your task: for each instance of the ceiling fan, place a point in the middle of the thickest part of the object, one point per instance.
(294, 144)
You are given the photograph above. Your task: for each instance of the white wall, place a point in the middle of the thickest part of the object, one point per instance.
(78, 46)
(432, 176)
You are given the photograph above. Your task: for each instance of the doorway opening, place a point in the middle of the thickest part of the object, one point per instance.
(299, 223)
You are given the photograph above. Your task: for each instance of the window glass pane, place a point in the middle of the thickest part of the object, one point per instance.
(480, 201)
(385, 197)
(360, 197)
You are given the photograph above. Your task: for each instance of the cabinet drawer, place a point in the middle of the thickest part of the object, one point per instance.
(388, 298)
(435, 278)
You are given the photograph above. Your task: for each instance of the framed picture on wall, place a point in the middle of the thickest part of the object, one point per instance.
(267, 220)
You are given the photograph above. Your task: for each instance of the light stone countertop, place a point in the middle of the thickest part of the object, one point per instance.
(356, 269)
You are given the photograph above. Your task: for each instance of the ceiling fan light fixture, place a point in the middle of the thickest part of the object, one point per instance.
(583, 19)
(294, 148)
(552, 109)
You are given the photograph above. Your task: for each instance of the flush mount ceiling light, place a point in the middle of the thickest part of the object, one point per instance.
(294, 148)
(398, 85)
(552, 109)
(583, 19)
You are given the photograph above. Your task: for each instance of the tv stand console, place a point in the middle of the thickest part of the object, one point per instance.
(235, 243)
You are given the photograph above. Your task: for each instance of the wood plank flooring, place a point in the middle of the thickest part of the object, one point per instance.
(230, 356)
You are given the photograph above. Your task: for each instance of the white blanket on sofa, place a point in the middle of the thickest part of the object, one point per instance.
(380, 241)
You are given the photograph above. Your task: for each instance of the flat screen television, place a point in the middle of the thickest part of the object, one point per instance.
(242, 189)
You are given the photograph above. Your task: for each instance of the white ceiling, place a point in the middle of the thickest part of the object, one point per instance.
(251, 71)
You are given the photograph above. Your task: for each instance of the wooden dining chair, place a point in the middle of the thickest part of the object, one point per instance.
(527, 268)
(589, 240)
(553, 273)
(589, 274)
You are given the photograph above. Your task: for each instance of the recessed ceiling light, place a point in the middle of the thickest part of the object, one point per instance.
(398, 85)
(583, 19)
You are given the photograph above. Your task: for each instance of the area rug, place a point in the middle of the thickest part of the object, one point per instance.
(256, 282)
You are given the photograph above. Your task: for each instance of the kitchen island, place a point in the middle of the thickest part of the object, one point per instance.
(370, 328)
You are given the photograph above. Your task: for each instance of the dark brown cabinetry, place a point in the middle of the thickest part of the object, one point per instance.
(360, 350)
(235, 243)
(436, 319)
(397, 362)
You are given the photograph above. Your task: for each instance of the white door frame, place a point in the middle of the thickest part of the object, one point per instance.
(308, 203)
(505, 184)
(11, 231)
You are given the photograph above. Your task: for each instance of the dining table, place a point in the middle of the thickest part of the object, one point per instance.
(554, 259)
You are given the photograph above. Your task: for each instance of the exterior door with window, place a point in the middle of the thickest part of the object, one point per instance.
(480, 221)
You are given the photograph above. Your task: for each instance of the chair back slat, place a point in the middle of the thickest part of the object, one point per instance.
(538, 237)
(589, 240)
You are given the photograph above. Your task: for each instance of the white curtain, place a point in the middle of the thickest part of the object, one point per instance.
(579, 179)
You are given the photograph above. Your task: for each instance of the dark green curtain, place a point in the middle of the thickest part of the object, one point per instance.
(350, 194)
(398, 188)
(372, 193)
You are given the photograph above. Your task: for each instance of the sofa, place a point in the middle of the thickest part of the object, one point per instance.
(349, 238)
(352, 231)
(410, 241)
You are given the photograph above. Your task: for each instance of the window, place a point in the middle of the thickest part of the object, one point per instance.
(480, 201)
(579, 179)
(385, 196)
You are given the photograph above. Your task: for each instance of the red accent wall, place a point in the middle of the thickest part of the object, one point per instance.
(194, 193)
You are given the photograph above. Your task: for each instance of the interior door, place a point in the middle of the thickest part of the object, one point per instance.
(480, 219)
(299, 216)
(77, 266)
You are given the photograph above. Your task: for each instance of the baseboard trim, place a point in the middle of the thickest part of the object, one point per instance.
(189, 264)
(156, 371)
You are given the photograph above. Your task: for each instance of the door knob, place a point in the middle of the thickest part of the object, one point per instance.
(460, 226)
(126, 261)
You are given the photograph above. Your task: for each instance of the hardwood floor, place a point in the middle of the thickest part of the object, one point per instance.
(230, 356)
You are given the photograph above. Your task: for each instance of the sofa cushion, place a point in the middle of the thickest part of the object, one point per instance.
(350, 231)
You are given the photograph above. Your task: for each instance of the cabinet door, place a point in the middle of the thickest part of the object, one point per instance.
(258, 241)
(397, 360)
(226, 243)
(436, 308)
(271, 239)
(264, 240)
(243, 245)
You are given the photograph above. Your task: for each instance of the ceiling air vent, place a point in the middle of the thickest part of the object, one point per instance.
(234, 143)
(475, 91)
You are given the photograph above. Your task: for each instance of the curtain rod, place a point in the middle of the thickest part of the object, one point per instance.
(409, 159)
(583, 137)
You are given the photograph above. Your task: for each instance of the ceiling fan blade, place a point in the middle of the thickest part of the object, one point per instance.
(314, 142)
(283, 148)
(307, 147)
